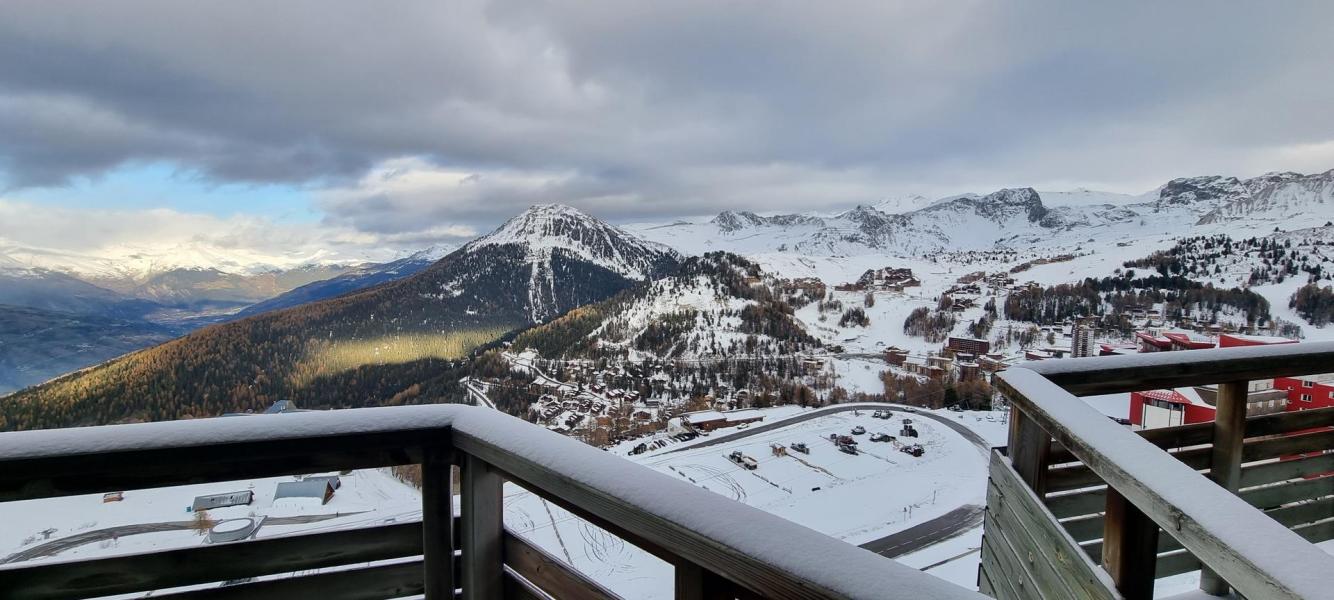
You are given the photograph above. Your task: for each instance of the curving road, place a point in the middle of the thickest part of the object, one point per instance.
(59, 545)
(914, 538)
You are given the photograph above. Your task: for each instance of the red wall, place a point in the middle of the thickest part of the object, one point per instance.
(1319, 393)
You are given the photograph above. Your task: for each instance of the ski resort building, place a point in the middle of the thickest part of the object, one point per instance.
(972, 346)
(709, 420)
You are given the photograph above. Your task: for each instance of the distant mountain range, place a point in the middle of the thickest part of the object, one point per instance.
(1016, 218)
(391, 343)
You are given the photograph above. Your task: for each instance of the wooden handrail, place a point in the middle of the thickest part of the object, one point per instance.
(1135, 372)
(749, 551)
(1258, 556)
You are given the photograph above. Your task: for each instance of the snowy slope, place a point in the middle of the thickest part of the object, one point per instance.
(562, 249)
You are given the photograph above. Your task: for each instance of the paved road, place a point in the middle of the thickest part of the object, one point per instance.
(57, 546)
(909, 540)
(929, 533)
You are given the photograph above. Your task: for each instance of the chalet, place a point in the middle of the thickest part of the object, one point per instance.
(895, 355)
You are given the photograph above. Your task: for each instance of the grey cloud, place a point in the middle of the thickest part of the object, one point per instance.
(646, 110)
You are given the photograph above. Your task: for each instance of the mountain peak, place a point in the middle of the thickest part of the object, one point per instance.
(545, 230)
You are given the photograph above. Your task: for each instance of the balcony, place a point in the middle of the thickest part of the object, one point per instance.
(1080, 507)
(460, 547)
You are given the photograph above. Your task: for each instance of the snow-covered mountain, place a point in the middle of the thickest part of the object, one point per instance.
(569, 258)
(176, 276)
(1280, 197)
(358, 278)
(1019, 218)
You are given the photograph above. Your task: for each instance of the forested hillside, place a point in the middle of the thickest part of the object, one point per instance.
(716, 304)
(393, 343)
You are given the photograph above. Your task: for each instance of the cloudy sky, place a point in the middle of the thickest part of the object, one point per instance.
(394, 125)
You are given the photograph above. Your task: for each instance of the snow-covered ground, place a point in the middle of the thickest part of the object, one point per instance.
(858, 498)
(366, 497)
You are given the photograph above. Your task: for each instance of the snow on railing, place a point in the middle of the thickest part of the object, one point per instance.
(702, 530)
(1254, 553)
(1134, 372)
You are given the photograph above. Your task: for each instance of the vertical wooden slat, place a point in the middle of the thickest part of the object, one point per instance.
(1029, 450)
(1225, 458)
(437, 525)
(1129, 547)
(483, 531)
(696, 583)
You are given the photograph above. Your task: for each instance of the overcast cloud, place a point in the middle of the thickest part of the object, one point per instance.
(414, 121)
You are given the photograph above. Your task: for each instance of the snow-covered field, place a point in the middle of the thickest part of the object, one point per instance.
(366, 497)
(858, 498)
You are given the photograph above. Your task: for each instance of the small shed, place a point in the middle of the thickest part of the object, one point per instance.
(315, 487)
(213, 501)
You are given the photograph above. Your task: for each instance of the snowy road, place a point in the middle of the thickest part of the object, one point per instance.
(929, 533)
(57, 546)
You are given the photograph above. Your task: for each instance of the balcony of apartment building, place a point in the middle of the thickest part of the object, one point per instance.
(459, 547)
(1080, 506)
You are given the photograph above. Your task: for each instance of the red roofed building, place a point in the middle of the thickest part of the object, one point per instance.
(1189, 340)
(1149, 342)
(1233, 340)
(1167, 408)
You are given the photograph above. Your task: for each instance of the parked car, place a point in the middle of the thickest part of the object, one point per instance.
(741, 459)
(800, 447)
(858, 430)
(913, 450)
(881, 437)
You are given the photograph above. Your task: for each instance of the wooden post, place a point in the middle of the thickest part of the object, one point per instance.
(483, 531)
(1225, 465)
(437, 525)
(1029, 447)
(1129, 547)
(697, 583)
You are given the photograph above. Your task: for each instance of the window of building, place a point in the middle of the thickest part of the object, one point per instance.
(1308, 383)
(1306, 397)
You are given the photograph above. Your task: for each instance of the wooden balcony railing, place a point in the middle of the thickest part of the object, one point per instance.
(1241, 498)
(720, 548)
